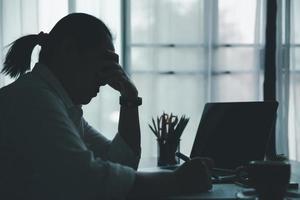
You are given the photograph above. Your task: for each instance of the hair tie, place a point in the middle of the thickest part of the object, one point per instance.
(42, 38)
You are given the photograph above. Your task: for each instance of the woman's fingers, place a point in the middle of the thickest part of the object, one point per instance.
(194, 175)
(112, 73)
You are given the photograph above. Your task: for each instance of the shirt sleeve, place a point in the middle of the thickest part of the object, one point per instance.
(116, 150)
(63, 166)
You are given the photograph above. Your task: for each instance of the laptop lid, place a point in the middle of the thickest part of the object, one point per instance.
(234, 133)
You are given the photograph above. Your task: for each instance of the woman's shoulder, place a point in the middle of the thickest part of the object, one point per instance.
(28, 90)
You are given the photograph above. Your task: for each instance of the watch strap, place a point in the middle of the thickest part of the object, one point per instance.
(128, 102)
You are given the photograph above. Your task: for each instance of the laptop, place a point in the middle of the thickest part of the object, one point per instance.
(234, 133)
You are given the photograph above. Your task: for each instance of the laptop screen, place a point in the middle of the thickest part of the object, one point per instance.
(235, 133)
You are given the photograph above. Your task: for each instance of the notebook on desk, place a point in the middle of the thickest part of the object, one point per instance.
(234, 133)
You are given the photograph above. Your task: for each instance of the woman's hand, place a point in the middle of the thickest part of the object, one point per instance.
(194, 175)
(121, 82)
(114, 75)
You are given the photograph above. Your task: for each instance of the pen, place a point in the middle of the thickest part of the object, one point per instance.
(182, 156)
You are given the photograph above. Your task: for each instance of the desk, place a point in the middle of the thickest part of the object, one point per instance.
(219, 191)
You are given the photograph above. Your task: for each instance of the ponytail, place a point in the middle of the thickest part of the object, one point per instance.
(86, 31)
(18, 57)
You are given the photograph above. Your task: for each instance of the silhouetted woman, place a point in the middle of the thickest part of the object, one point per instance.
(48, 150)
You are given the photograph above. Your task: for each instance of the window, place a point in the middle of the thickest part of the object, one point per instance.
(294, 78)
(184, 53)
(180, 54)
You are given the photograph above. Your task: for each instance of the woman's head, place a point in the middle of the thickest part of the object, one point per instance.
(70, 50)
(84, 31)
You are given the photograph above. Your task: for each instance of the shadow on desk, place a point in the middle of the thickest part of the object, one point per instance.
(219, 191)
(223, 191)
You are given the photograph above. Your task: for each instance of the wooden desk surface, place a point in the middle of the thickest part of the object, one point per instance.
(219, 191)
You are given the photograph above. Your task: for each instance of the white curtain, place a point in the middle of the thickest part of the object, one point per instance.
(291, 86)
(19, 18)
(283, 76)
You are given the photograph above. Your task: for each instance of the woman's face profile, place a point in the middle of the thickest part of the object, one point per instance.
(90, 70)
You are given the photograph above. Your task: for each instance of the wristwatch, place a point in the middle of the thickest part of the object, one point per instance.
(130, 102)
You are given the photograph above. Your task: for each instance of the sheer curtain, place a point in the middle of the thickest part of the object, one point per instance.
(17, 18)
(283, 77)
(292, 65)
(20, 18)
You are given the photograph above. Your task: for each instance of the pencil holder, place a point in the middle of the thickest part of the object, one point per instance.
(168, 130)
(166, 152)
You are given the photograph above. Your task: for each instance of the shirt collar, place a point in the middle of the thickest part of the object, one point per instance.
(44, 72)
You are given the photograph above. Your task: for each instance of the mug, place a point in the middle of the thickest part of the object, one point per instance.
(269, 178)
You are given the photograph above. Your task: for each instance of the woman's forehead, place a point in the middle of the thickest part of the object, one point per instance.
(107, 44)
(105, 49)
(104, 55)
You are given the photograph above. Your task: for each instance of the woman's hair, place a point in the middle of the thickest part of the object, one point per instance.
(86, 31)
